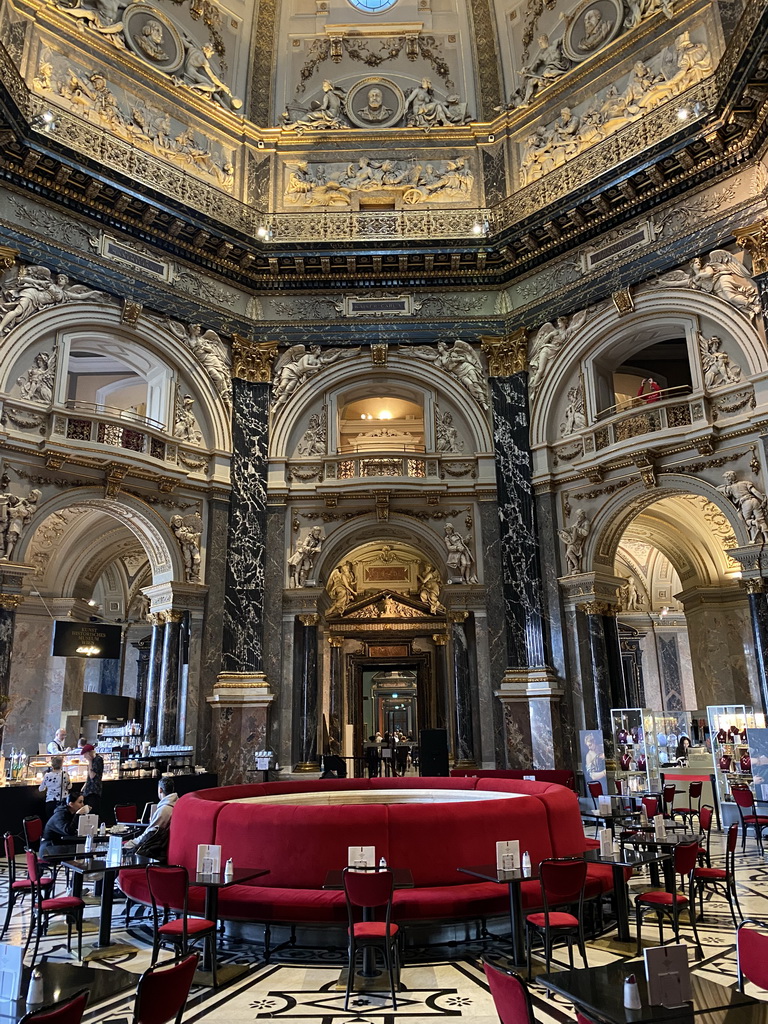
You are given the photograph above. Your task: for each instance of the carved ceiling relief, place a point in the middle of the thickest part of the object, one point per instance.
(669, 73)
(132, 117)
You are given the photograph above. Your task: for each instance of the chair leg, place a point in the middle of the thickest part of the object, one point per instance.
(69, 934)
(639, 923)
(582, 946)
(734, 892)
(11, 903)
(38, 933)
(32, 920)
(388, 960)
(214, 965)
(80, 934)
(350, 974)
(695, 933)
(528, 943)
(661, 929)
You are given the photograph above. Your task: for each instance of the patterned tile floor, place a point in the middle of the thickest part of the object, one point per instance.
(300, 985)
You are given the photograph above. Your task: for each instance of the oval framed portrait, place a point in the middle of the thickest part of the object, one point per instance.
(375, 103)
(593, 24)
(153, 37)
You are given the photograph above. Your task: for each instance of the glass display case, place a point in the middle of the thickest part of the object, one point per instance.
(729, 725)
(637, 750)
(74, 765)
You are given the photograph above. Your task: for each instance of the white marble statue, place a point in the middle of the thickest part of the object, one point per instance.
(461, 362)
(751, 503)
(460, 557)
(186, 427)
(328, 112)
(208, 348)
(15, 514)
(575, 416)
(342, 588)
(574, 537)
(547, 342)
(718, 368)
(297, 364)
(102, 16)
(547, 66)
(446, 435)
(32, 290)
(723, 276)
(37, 383)
(314, 439)
(639, 10)
(189, 531)
(424, 110)
(198, 73)
(596, 30)
(302, 561)
(631, 601)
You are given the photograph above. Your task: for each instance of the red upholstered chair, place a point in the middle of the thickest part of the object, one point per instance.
(509, 992)
(668, 904)
(69, 1011)
(745, 804)
(18, 888)
(752, 954)
(705, 825)
(562, 885)
(651, 805)
(371, 889)
(33, 832)
(721, 879)
(668, 795)
(595, 791)
(169, 891)
(693, 808)
(70, 907)
(163, 990)
(126, 814)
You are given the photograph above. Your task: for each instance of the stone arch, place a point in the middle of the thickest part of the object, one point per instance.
(608, 331)
(399, 370)
(149, 529)
(72, 319)
(611, 522)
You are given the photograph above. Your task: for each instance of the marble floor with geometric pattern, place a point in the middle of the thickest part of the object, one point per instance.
(300, 985)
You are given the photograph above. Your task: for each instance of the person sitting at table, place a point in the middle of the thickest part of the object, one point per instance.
(154, 841)
(61, 827)
(56, 784)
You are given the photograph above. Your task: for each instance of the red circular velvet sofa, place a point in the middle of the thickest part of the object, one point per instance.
(300, 844)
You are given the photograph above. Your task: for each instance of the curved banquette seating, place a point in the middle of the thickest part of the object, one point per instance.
(299, 842)
(562, 776)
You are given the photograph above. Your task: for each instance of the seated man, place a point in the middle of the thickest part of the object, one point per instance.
(61, 827)
(153, 842)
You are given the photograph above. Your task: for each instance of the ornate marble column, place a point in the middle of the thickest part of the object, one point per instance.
(149, 730)
(463, 719)
(305, 692)
(529, 690)
(442, 674)
(242, 693)
(12, 576)
(336, 693)
(754, 568)
(168, 691)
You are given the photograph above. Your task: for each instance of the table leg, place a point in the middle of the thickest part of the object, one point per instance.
(211, 914)
(516, 922)
(369, 954)
(621, 902)
(107, 899)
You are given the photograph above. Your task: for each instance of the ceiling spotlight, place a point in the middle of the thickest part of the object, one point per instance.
(481, 227)
(264, 233)
(44, 122)
(683, 113)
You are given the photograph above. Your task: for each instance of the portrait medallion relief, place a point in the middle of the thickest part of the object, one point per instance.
(592, 25)
(153, 37)
(375, 103)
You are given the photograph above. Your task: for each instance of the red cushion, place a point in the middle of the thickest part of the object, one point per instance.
(591, 844)
(25, 884)
(665, 899)
(195, 925)
(557, 919)
(374, 929)
(62, 903)
(260, 903)
(719, 873)
(755, 819)
(475, 899)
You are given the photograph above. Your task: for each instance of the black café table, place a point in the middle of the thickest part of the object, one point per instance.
(647, 838)
(94, 863)
(599, 992)
(611, 818)
(514, 880)
(213, 884)
(63, 980)
(618, 861)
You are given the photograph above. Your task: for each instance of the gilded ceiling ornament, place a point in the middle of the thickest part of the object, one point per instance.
(506, 356)
(7, 257)
(623, 301)
(754, 239)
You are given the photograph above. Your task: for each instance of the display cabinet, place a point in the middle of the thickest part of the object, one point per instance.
(637, 750)
(729, 726)
(74, 765)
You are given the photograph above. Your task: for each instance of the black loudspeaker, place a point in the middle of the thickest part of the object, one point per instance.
(433, 752)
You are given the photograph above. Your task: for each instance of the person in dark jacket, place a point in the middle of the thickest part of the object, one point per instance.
(61, 827)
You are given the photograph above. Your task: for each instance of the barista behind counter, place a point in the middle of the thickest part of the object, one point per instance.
(20, 801)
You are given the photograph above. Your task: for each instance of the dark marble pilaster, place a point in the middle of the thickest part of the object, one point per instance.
(276, 653)
(109, 681)
(212, 624)
(168, 696)
(442, 675)
(154, 670)
(143, 648)
(758, 611)
(336, 691)
(243, 634)
(608, 690)
(305, 694)
(7, 620)
(463, 726)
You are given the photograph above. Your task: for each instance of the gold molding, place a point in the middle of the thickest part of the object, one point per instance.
(8, 257)
(754, 585)
(506, 355)
(252, 360)
(336, 641)
(754, 239)
(440, 639)
(10, 602)
(596, 608)
(309, 620)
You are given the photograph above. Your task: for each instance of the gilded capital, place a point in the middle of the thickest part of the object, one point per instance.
(754, 585)
(440, 639)
(506, 355)
(754, 239)
(9, 602)
(252, 360)
(7, 257)
(336, 641)
(309, 620)
(596, 608)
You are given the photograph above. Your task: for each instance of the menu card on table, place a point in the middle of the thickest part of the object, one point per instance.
(508, 855)
(659, 827)
(604, 804)
(208, 859)
(87, 824)
(669, 975)
(11, 958)
(361, 857)
(606, 842)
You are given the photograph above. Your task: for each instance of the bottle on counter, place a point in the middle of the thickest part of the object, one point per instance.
(526, 863)
(382, 863)
(631, 993)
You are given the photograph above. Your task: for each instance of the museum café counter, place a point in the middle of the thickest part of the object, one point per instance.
(20, 796)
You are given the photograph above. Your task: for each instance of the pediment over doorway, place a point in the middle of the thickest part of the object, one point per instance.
(387, 604)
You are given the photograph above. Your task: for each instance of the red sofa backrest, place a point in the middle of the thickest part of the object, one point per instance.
(563, 815)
